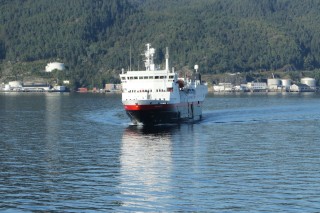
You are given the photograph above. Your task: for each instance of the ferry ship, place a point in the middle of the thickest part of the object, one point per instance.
(158, 96)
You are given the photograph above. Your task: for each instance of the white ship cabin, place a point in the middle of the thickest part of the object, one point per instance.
(152, 83)
(146, 79)
(143, 85)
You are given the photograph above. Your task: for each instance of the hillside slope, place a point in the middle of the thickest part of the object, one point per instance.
(93, 38)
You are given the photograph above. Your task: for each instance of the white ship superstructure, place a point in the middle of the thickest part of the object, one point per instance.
(156, 96)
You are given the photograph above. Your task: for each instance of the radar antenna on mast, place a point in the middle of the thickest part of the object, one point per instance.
(149, 53)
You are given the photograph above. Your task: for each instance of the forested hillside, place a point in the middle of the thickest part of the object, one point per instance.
(93, 38)
(79, 33)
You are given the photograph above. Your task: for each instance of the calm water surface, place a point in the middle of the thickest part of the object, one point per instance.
(79, 153)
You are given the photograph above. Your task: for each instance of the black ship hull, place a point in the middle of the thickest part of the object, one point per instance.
(164, 113)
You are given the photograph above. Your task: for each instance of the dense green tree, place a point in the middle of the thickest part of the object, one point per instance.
(94, 38)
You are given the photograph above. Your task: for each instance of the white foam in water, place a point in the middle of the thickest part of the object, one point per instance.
(111, 117)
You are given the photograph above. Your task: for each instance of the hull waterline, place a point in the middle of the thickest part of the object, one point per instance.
(163, 113)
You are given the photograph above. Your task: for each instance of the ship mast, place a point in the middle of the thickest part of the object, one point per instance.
(149, 53)
(167, 59)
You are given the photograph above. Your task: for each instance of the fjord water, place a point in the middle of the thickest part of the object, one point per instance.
(79, 153)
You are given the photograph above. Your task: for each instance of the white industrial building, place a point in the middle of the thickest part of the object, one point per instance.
(223, 87)
(55, 66)
(257, 86)
(300, 88)
(311, 82)
(36, 87)
(306, 85)
(13, 85)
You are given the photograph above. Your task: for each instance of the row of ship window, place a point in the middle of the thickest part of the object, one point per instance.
(157, 90)
(146, 77)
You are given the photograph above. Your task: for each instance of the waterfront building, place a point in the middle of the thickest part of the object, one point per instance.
(13, 85)
(36, 87)
(112, 87)
(239, 88)
(257, 86)
(311, 82)
(223, 87)
(83, 89)
(301, 88)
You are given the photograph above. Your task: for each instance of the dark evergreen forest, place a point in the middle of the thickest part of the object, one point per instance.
(94, 37)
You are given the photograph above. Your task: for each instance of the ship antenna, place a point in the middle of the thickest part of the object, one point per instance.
(130, 57)
(167, 58)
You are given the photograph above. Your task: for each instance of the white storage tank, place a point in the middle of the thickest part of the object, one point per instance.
(286, 83)
(311, 82)
(274, 81)
(55, 66)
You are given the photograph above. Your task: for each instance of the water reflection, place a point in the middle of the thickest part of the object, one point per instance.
(158, 130)
(146, 166)
(53, 116)
(72, 153)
